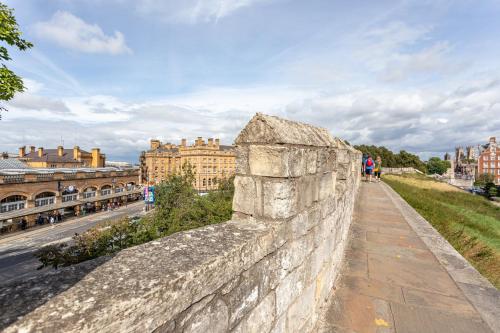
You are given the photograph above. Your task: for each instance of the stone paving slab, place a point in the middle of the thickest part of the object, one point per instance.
(393, 280)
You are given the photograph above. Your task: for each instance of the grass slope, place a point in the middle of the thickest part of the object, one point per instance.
(470, 223)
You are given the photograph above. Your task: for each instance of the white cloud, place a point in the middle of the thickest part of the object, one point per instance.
(192, 11)
(417, 120)
(398, 51)
(70, 31)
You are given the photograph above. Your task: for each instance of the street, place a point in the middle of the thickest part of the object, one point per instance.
(16, 251)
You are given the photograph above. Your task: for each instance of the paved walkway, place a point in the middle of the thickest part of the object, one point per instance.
(393, 281)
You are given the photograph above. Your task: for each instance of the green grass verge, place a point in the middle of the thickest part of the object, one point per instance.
(470, 223)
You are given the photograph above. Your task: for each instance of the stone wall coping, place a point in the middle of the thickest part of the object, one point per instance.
(267, 129)
(155, 280)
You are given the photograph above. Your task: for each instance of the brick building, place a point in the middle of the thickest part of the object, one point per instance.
(62, 158)
(26, 193)
(211, 161)
(489, 160)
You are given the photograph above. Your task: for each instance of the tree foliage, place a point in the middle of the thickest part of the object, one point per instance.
(10, 34)
(435, 165)
(403, 159)
(178, 208)
(483, 179)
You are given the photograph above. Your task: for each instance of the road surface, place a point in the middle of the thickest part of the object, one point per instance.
(16, 251)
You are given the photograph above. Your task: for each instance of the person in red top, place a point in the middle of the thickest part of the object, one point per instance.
(369, 166)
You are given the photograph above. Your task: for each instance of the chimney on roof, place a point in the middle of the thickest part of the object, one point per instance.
(97, 160)
(76, 153)
(217, 143)
(22, 151)
(60, 151)
(199, 141)
(40, 151)
(32, 149)
(183, 142)
(5, 155)
(210, 142)
(155, 144)
(493, 139)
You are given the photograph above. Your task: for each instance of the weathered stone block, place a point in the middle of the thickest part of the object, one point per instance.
(280, 198)
(247, 195)
(328, 206)
(343, 171)
(243, 298)
(261, 318)
(213, 318)
(289, 289)
(292, 254)
(307, 192)
(268, 129)
(301, 310)
(327, 160)
(311, 157)
(299, 225)
(327, 185)
(280, 325)
(271, 161)
(186, 315)
(277, 161)
(242, 167)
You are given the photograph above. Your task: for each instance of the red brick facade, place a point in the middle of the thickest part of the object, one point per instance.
(489, 160)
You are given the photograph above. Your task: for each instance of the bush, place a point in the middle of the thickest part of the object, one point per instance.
(437, 166)
(178, 207)
(390, 160)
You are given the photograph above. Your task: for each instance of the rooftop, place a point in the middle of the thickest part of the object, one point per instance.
(12, 163)
(24, 171)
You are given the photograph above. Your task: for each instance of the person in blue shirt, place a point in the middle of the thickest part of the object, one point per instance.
(363, 164)
(369, 166)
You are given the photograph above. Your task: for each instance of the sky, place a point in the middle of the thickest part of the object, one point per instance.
(423, 76)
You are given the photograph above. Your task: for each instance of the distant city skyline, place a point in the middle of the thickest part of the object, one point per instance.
(422, 76)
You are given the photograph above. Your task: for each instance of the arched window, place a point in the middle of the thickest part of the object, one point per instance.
(69, 194)
(204, 182)
(209, 181)
(106, 190)
(89, 192)
(14, 202)
(45, 198)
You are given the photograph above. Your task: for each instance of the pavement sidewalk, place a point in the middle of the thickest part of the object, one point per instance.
(400, 275)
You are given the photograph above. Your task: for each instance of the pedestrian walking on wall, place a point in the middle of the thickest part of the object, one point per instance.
(378, 168)
(369, 166)
(52, 220)
(363, 164)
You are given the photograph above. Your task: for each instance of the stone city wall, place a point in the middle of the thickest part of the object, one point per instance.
(400, 171)
(270, 269)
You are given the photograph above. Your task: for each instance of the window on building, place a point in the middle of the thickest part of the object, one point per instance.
(70, 194)
(89, 192)
(204, 182)
(44, 199)
(14, 202)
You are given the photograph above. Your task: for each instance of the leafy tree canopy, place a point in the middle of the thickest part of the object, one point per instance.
(484, 179)
(10, 34)
(391, 160)
(437, 166)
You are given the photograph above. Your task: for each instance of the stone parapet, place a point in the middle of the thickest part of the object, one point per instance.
(270, 269)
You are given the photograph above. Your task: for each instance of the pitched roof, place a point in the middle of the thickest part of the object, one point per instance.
(12, 163)
(51, 155)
